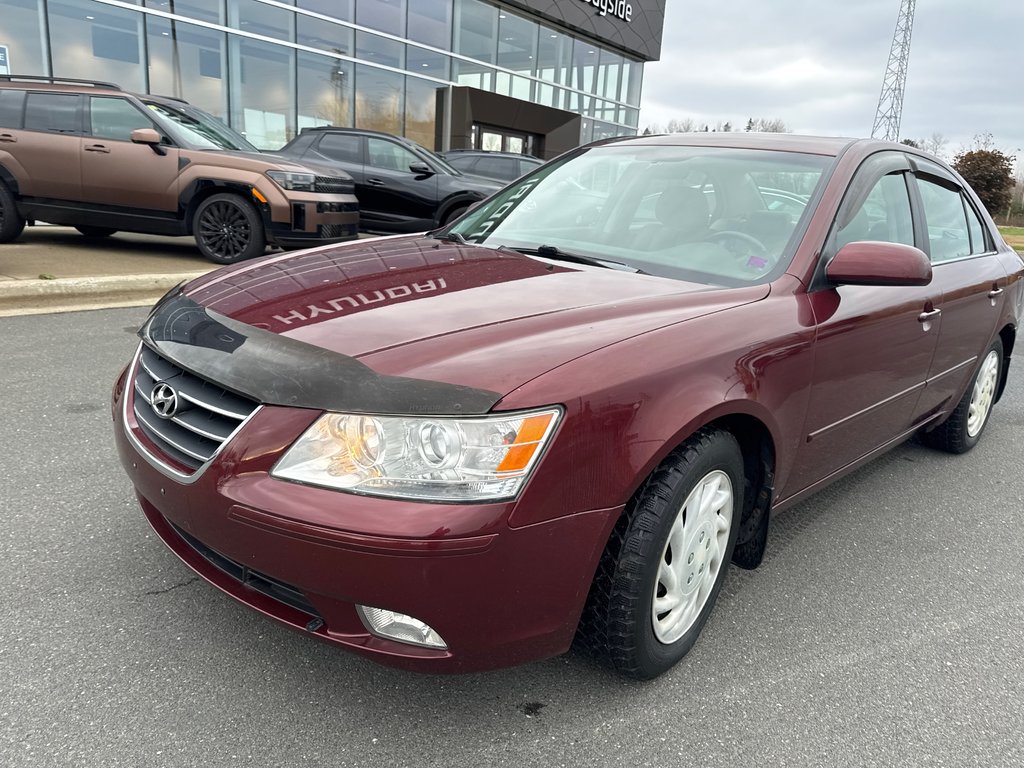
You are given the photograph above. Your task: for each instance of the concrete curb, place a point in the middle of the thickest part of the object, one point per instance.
(34, 297)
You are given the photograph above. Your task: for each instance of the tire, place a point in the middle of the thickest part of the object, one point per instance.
(11, 222)
(96, 231)
(667, 534)
(453, 214)
(962, 430)
(228, 229)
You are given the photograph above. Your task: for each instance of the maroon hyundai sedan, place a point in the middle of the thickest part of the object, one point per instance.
(566, 414)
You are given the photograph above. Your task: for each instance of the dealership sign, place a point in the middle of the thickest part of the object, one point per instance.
(620, 9)
(5, 68)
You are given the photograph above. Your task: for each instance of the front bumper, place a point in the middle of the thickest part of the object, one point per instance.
(307, 556)
(300, 221)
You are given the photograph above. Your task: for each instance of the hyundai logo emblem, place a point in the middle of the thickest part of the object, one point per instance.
(164, 400)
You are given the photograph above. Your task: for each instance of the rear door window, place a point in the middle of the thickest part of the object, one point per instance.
(345, 147)
(52, 112)
(12, 107)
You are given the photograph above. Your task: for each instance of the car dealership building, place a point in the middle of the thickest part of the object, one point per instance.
(534, 76)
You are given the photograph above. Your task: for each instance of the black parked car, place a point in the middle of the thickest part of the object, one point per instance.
(401, 186)
(500, 166)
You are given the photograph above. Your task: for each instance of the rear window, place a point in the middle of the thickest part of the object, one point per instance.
(12, 105)
(53, 112)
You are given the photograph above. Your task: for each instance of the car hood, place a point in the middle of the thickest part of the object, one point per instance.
(416, 307)
(274, 162)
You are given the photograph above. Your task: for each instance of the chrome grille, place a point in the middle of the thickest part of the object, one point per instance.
(333, 184)
(206, 417)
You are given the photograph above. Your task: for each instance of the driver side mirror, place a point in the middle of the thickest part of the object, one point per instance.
(148, 136)
(421, 169)
(876, 263)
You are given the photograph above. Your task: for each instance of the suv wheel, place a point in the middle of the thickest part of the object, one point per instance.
(228, 228)
(11, 223)
(96, 231)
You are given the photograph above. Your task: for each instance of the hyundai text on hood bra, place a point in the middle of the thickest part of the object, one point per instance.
(564, 415)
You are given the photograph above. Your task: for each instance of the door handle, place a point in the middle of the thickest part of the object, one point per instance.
(7, 138)
(994, 292)
(375, 182)
(924, 317)
(97, 148)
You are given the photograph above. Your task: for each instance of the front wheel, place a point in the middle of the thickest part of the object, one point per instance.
(665, 565)
(11, 222)
(228, 228)
(962, 430)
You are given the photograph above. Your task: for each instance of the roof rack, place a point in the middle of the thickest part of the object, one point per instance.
(57, 81)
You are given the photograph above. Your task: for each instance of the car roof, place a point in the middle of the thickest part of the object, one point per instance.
(784, 142)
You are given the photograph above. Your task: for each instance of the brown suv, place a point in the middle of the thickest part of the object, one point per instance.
(92, 156)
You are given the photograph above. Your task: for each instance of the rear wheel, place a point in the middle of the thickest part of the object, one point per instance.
(11, 222)
(962, 430)
(96, 231)
(665, 565)
(228, 228)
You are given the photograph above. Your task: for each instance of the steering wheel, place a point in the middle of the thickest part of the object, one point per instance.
(752, 251)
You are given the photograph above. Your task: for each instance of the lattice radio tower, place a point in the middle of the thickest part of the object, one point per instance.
(890, 102)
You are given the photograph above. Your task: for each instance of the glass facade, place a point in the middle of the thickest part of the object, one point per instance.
(273, 67)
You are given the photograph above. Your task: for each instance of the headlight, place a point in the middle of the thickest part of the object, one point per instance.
(432, 459)
(299, 182)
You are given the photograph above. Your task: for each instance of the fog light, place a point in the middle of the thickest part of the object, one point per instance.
(398, 626)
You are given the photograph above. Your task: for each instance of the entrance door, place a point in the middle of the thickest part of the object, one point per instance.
(491, 139)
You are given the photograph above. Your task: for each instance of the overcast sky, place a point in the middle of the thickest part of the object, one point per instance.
(818, 65)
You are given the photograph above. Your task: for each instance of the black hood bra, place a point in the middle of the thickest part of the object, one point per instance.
(277, 370)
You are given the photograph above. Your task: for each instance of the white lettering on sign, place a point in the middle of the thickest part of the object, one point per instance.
(620, 9)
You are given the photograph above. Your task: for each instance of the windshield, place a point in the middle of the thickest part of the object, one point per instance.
(200, 130)
(710, 215)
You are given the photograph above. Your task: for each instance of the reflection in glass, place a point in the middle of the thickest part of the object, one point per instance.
(380, 99)
(554, 57)
(430, 22)
(262, 99)
(204, 10)
(260, 19)
(476, 30)
(187, 62)
(517, 43)
(317, 33)
(421, 110)
(335, 9)
(379, 50)
(385, 15)
(324, 91)
(423, 62)
(21, 31)
(97, 42)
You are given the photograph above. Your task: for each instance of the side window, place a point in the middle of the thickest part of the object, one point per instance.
(389, 155)
(113, 118)
(979, 243)
(500, 167)
(342, 146)
(948, 236)
(12, 106)
(883, 215)
(52, 112)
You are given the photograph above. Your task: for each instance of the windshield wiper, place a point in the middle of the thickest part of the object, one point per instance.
(557, 254)
(449, 237)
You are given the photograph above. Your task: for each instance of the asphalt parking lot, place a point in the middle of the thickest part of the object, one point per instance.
(884, 627)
